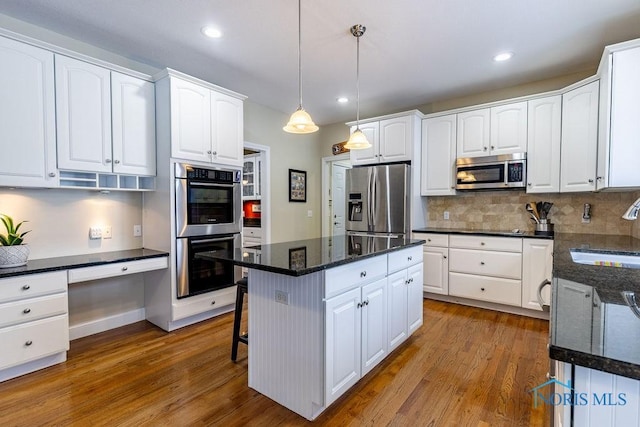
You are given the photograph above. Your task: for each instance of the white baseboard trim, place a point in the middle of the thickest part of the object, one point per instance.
(106, 323)
(32, 366)
(488, 305)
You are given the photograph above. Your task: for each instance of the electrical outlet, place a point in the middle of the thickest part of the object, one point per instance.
(282, 297)
(309, 213)
(137, 230)
(446, 215)
(95, 233)
(106, 232)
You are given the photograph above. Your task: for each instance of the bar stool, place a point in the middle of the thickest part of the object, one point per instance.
(237, 337)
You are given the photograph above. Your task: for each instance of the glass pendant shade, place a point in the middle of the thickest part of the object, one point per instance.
(357, 141)
(300, 122)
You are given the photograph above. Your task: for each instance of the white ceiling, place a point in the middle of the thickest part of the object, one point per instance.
(413, 52)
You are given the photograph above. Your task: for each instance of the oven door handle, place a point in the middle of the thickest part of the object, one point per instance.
(208, 184)
(222, 239)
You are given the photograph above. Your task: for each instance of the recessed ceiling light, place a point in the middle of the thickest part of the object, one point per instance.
(212, 32)
(343, 100)
(504, 56)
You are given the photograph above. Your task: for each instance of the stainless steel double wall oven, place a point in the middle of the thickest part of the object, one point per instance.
(208, 217)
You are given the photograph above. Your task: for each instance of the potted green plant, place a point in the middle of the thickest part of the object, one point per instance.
(13, 253)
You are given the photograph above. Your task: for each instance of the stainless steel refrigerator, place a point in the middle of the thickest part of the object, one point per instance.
(378, 200)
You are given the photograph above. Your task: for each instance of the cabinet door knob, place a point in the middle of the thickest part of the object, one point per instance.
(481, 243)
(481, 262)
(28, 343)
(482, 289)
(215, 153)
(26, 287)
(590, 181)
(117, 162)
(26, 311)
(52, 174)
(213, 302)
(428, 240)
(484, 148)
(125, 268)
(493, 147)
(529, 184)
(409, 258)
(359, 305)
(444, 256)
(107, 160)
(363, 274)
(453, 188)
(208, 151)
(599, 178)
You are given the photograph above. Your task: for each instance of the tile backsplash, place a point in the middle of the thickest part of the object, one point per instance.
(505, 210)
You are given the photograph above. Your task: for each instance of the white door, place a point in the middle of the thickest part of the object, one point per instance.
(543, 145)
(226, 129)
(509, 129)
(368, 155)
(342, 340)
(436, 270)
(374, 324)
(414, 297)
(190, 121)
(27, 116)
(537, 265)
(397, 308)
(396, 139)
(473, 133)
(338, 199)
(134, 125)
(83, 108)
(438, 156)
(579, 139)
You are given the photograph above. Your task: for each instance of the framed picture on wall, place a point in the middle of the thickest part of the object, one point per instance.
(297, 186)
(298, 258)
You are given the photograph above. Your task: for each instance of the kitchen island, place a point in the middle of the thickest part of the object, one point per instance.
(324, 312)
(595, 332)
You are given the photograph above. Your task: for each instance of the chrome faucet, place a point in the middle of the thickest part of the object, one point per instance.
(632, 212)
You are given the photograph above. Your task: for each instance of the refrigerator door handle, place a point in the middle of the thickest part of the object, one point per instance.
(370, 212)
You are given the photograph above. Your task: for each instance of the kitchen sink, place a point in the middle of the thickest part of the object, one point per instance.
(606, 259)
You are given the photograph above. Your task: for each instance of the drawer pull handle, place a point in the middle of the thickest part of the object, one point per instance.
(363, 274)
(481, 262)
(26, 287)
(482, 289)
(409, 258)
(125, 268)
(213, 302)
(26, 311)
(366, 302)
(481, 243)
(428, 240)
(28, 343)
(359, 305)
(444, 256)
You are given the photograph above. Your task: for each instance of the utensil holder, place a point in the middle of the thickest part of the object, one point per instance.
(544, 228)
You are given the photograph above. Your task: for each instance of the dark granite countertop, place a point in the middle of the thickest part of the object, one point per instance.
(44, 265)
(301, 257)
(497, 233)
(591, 324)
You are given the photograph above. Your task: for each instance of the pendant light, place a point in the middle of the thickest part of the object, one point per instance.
(300, 121)
(357, 140)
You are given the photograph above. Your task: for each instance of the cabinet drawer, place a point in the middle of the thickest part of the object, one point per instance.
(31, 285)
(492, 289)
(506, 244)
(486, 263)
(117, 269)
(33, 340)
(29, 309)
(433, 239)
(199, 304)
(399, 260)
(252, 232)
(345, 277)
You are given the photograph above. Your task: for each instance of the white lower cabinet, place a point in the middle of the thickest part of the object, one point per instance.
(356, 336)
(600, 399)
(34, 322)
(366, 323)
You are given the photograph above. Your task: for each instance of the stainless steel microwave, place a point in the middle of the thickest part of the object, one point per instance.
(504, 172)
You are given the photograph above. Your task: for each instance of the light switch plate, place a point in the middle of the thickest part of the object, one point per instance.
(95, 233)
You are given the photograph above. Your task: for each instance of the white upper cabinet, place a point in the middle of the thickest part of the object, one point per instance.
(618, 147)
(368, 155)
(91, 103)
(190, 121)
(543, 145)
(438, 156)
(27, 116)
(83, 107)
(579, 138)
(206, 126)
(509, 129)
(392, 140)
(473, 133)
(493, 131)
(134, 125)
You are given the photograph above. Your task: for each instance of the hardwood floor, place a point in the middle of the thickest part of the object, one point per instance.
(464, 367)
